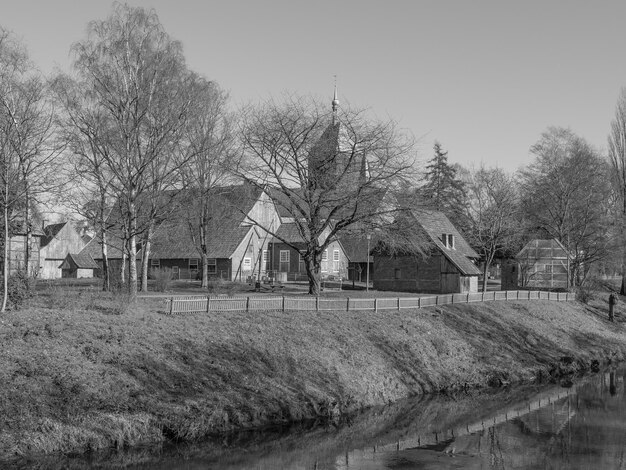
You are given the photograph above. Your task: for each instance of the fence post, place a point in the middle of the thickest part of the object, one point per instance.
(467, 300)
(317, 303)
(419, 302)
(452, 298)
(283, 303)
(348, 304)
(247, 303)
(376, 304)
(208, 303)
(398, 303)
(506, 295)
(436, 300)
(171, 305)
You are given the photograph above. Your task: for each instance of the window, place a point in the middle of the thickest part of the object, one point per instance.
(284, 256)
(247, 264)
(193, 263)
(451, 241)
(548, 268)
(155, 263)
(325, 255)
(266, 257)
(211, 266)
(300, 263)
(444, 239)
(397, 274)
(336, 260)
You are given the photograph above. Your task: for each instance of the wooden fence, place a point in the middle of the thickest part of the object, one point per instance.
(192, 304)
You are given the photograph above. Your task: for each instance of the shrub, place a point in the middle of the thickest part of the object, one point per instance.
(20, 289)
(162, 278)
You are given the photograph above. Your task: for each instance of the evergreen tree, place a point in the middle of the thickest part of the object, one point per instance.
(443, 190)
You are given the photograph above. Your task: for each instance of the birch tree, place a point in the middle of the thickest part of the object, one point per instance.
(617, 158)
(136, 76)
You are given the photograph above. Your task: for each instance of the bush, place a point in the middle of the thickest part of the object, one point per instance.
(20, 289)
(162, 278)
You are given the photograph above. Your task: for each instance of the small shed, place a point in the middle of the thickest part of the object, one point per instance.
(541, 264)
(76, 265)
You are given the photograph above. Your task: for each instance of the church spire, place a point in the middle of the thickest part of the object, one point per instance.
(335, 101)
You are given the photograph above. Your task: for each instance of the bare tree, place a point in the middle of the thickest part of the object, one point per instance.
(207, 152)
(332, 172)
(136, 76)
(83, 127)
(617, 157)
(565, 196)
(27, 151)
(493, 214)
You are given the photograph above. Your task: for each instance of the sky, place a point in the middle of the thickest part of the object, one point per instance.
(484, 78)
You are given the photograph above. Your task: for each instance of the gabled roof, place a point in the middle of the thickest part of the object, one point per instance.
(543, 248)
(225, 232)
(435, 224)
(80, 261)
(51, 231)
(355, 247)
(114, 248)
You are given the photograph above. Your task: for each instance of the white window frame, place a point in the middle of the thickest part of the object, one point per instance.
(194, 262)
(325, 255)
(247, 262)
(284, 256)
(155, 263)
(211, 266)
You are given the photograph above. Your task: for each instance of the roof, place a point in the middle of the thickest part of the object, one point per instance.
(288, 232)
(114, 248)
(355, 247)
(51, 231)
(435, 223)
(80, 260)
(543, 248)
(225, 232)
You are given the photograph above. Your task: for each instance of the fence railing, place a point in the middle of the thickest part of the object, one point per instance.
(191, 304)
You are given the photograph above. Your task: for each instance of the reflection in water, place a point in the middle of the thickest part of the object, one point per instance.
(553, 427)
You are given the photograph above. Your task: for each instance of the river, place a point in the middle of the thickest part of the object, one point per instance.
(573, 425)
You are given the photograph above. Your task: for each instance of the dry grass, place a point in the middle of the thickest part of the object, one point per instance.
(81, 370)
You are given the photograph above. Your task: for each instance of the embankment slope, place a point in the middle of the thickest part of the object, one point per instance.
(85, 378)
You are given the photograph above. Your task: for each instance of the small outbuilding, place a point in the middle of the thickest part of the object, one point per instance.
(76, 266)
(541, 264)
(449, 266)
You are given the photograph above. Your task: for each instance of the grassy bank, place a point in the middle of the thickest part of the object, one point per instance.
(80, 372)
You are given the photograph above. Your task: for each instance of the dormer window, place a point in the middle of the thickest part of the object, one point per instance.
(448, 240)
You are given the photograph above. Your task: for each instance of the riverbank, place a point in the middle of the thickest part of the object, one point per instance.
(79, 372)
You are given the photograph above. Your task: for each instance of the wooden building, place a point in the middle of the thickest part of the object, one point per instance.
(449, 266)
(58, 241)
(541, 264)
(287, 263)
(235, 242)
(77, 266)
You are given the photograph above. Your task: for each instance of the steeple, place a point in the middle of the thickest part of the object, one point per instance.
(335, 101)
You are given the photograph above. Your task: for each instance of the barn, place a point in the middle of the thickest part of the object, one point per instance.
(448, 267)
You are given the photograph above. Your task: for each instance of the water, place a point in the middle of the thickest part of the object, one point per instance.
(577, 426)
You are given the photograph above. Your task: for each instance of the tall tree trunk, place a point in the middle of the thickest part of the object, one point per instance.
(29, 236)
(313, 273)
(145, 259)
(622, 290)
(485, 275)
(106, 274)
(5, 266)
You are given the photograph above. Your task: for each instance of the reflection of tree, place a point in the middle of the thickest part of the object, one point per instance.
(495, 451)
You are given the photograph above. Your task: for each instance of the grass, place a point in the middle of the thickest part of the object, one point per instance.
(82, 370)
